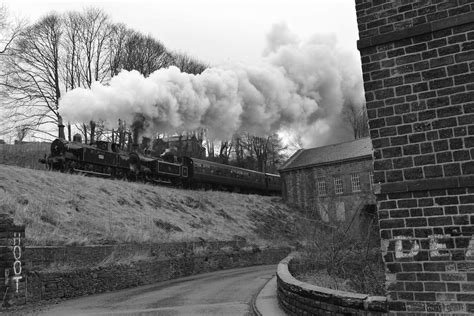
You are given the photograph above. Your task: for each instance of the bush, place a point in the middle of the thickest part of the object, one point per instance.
(346, 255)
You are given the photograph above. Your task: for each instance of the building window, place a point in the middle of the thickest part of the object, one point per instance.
(338, 188)
(321, 181)
(371, 178)
(355, 182)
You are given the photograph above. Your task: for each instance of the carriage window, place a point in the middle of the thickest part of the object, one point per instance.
(185, 172)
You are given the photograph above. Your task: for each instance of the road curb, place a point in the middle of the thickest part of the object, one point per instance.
(253, 303)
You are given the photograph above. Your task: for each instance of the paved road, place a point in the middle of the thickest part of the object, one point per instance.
(228, 292)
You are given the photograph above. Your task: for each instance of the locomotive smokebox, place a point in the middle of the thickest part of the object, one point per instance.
(61, 128)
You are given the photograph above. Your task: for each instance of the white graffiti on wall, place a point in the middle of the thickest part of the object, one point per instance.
(400, 253)
(17, 256)
(437, 249)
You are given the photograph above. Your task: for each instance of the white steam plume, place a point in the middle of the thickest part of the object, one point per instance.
(299, 86)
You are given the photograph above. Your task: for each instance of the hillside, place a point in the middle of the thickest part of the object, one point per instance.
(63, 209)
(24, 154)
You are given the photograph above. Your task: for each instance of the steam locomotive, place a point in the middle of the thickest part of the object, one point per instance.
(106, 159)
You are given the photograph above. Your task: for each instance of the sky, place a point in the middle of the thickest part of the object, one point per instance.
(215, 31)
(274, 64)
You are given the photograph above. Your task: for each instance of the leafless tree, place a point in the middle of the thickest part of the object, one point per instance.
(225, 151)
(295, 142)
(357, 119)
(21, 132)
(9, 29)
(93, 31)
(72, 55)
(268, 151)
(240, 149)
(131, 50)
(118, 38)
(32, 75)
(188, 64)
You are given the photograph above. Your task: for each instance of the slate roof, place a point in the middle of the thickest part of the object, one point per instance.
(355, 149)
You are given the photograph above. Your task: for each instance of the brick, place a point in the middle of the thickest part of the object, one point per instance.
(394, 120)
(466, 119)
(404, 129)
(402, 140)
(413, 173)
(468, 167)
(426, 115)
(438, 102)
(453, 287)
(440, 221)
(435, 287)
(433, 171)
(465, 297)
(391, 223)
(425, 296)
(464, 79)
(433, 74)
(434, 266)
(407, 203)
(462, 97)
(416, 222)
(445, 133)
(417, 138)
(399, 214)
(400, 163)
(443, 123)
(460, 155)
(394, 175)
(457, 69)
(452, 169)
(391, 152)
(424, 160)
(455, 143)
(449, 50)
(447, 200)
(426, 148)
(409, 118)
(464, 56)
(385, 164)
(413, 149)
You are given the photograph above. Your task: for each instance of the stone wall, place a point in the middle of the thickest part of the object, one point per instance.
(299, 298)
(43, 257)
(87, 281)
(417, 61)
(12, 276)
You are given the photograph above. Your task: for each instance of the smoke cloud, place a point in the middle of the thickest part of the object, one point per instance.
(298, 86)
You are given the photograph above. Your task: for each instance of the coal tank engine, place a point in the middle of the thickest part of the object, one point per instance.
(106, 159)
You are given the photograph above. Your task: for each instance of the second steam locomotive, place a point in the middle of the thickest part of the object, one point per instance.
(106, 159)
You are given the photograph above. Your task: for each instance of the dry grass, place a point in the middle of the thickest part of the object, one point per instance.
(24, 155)
(62, 209)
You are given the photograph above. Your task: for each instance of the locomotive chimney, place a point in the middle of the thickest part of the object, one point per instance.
(61, 127)
(135, 139)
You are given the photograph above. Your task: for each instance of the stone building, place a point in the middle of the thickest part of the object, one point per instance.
(334, 181)
(418, 67)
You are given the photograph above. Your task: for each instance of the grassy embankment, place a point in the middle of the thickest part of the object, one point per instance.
(63, 209)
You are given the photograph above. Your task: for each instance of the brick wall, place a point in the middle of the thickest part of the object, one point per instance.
(12, 276)
(300, 189)
(299, 298)
(418, 63)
